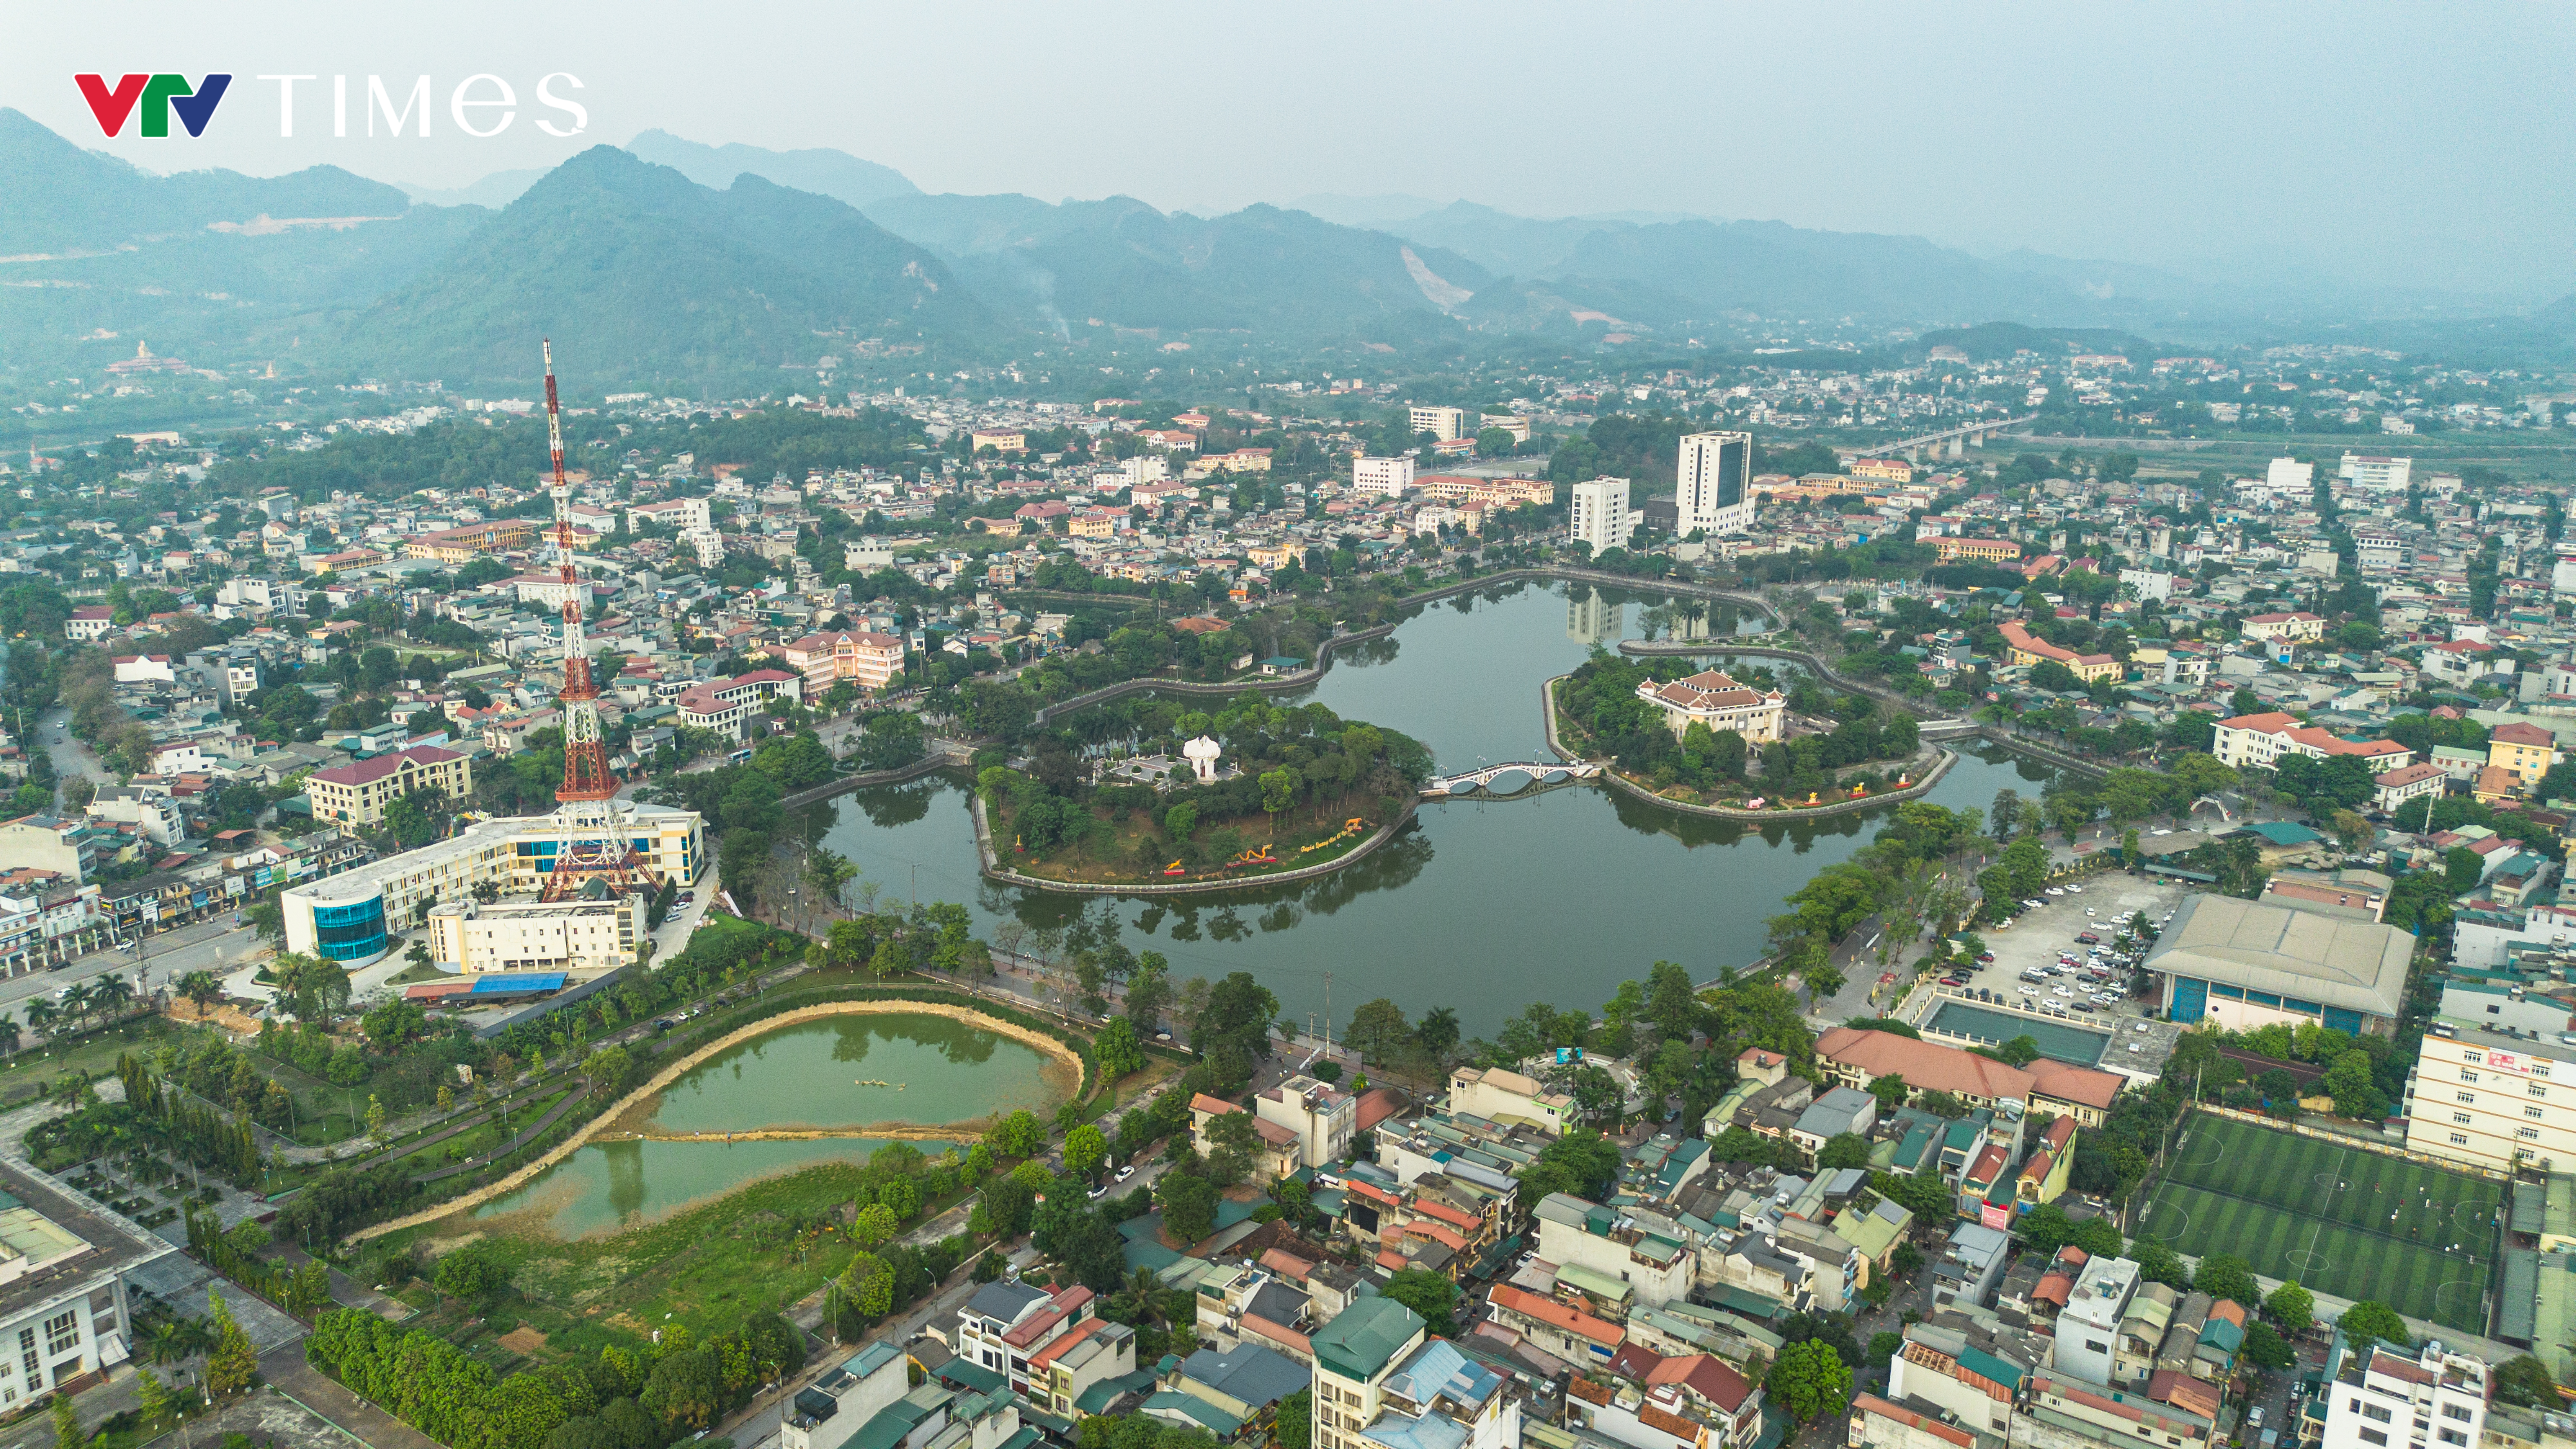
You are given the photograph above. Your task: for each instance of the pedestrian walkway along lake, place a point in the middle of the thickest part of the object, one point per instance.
(1479, 906)
(914, 1076)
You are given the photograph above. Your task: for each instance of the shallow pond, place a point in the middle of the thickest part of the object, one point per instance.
(868, 1070)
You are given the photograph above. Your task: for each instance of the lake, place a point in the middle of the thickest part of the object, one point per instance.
(1482, 907)
(846, 1071)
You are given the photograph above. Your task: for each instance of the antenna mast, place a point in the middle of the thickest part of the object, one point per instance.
(596, 845)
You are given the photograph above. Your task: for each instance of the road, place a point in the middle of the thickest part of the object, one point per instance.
(71, 758)
(214, 945)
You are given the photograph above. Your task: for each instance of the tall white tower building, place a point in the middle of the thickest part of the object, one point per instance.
(1598, 514)
(1713, 490)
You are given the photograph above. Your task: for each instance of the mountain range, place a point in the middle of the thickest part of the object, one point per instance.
(673, 263)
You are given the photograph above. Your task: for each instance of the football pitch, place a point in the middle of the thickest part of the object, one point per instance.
(2340, 1220)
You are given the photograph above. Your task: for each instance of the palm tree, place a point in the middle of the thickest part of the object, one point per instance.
(79, 1000)
(8, 1033)
(1141, 1298)
(202, 988)
(107, 993)
(173, 1339)
(41, 1015)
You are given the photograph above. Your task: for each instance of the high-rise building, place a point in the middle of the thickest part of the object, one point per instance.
(1712, 492)
(2378, 474)
(1442, 423)
(1598, 514)
(1381, 477)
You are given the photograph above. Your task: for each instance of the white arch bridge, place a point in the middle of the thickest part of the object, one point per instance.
(1509, 779)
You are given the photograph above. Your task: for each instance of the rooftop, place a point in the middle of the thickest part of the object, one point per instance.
(2338, 961)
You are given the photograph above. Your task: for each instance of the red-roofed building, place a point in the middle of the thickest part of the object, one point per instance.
(2026, 648)
(1717, 701)
(357, 794)
(1878, 1424)
(90, 623)
(1569, 1333)
(2255, 741)
(724, 705)
(864, 657)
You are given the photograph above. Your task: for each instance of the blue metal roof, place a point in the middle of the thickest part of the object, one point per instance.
(517, 982)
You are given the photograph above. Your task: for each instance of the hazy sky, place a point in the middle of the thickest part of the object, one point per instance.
(2398, 145)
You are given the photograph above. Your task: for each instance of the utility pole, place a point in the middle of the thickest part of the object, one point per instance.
(1328, 1014)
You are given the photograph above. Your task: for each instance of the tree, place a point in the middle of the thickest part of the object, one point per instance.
(1293, 1426)
(1085, 1149)
(1189, 1205)
(2225, 1275)
(2353, 1086)
(1437, 1032)
(869, 1284)
(1430, 1295)
(1233, 1138)
(1117, 1049)
(2158, 1263)
(1890, 1090)
(1843, 1149)
(2292, 1306)
(686, 1388)
(232, 1363)
(153, 1397)
(2266, 1348)
(2525, 1381)
(1811, 1381)
(1378, 1027)
(1885, 1344)
(1018, 1135)
(2365, 1322)
(874, 1224)
(67, 1424)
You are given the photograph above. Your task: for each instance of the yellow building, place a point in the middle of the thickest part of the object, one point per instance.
(1984, 550)
(2028, 649)
(357, 794)
(2527, 750)
(1012, 441)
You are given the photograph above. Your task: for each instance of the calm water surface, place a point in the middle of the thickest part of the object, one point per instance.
(812, 1074)
(1482, 908)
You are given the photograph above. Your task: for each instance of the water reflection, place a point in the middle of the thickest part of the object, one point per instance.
(1482, 906)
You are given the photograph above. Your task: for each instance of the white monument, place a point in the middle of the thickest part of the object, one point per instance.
(1202, 753)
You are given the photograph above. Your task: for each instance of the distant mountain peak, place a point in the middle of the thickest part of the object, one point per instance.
(821, 170)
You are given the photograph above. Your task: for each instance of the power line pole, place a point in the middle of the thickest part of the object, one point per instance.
(1328, 1015)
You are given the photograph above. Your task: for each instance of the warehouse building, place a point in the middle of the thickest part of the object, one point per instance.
(2248, 964)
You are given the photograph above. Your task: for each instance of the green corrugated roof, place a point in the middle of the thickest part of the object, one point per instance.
(1218, 1421)
(1986, 1365)
(1365, 1336)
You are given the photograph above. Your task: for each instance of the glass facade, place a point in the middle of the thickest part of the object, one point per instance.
(351, 932)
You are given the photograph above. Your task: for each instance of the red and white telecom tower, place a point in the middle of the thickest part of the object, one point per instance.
(598, 843)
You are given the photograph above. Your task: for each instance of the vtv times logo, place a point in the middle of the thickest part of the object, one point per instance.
(158, 96)
(152, 99)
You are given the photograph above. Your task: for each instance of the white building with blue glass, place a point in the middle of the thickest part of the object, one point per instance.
(359, 914)
(2249, 964)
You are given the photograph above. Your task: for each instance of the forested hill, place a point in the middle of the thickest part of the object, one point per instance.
(645, 279)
